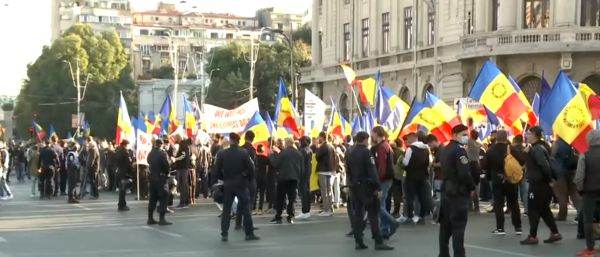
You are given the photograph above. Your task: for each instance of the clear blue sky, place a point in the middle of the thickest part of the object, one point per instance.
(27, 23)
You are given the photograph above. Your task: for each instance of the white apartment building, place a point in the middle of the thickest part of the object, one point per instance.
(102, 15)
(440, 45)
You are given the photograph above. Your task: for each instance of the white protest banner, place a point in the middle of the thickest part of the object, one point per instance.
(143, 147)
(314, 113)
(218, 120)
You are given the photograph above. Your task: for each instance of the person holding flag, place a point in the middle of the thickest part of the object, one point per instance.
(285, 114)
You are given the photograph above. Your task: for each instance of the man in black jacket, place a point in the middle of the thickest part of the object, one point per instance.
(416, 162)
(587, 180)
(249, 139)
(502, 189)
(124, 172)
(326, 168)
(234, 166)
(365, 192)
(182, 162)
(158, 162)
(539, 175)
(48, 165)
(289, 163)
(457, 188)
(92, 165)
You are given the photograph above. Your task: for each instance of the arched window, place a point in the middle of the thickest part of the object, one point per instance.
(404, 94)
(343, 105)
(530, 85)
(593, 81)
(428, 88)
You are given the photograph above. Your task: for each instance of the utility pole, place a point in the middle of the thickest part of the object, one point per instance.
(75, 78)
(175, 65)
(254, 47)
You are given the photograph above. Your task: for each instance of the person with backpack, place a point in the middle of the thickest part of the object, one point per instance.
(382, 152)
(539, 175)
(72, 165)
(503, 173)
(564, 163)
(416, 184)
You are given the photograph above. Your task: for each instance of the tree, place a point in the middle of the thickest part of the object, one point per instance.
(230, 83)
(48, 94)
(304, 34)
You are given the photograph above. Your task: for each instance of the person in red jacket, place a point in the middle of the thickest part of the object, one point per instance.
(382, 151)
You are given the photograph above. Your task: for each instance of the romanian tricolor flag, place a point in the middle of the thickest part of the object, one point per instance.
(285, 114)
(434, 115)
(592, 100)
(258, 125)
(149, 120)
(39, 131)
(495, 91)
(529, 117)
(567, 114)
(367, 88)
(270, 125)
(190, 120)
(349, 73)
(338, 126)
(124, 127)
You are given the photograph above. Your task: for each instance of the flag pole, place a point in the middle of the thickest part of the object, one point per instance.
(356, 99)
(412, 103)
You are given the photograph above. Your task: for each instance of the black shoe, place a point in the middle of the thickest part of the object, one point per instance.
(224, 238)
(252, 237)
(63, 194)
(393, 228)
(275, 221)
(163, 222)
(383, 247)
(580, 236)
(553, 238)
(124, 208)
(360, 246)
(530, 241)
(151, 221)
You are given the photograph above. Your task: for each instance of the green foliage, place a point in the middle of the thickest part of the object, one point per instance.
(8, 107)
(230, 83)
(304, 34)
(49, 95)
(164, 72)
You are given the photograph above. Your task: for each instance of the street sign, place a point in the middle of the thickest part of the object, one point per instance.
(74, 119)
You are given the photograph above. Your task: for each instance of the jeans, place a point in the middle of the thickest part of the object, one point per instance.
(523, 189)
(34, 182)
(20, 166)
(386, 218)
(4, 189)
(326, 186)
(243, 196)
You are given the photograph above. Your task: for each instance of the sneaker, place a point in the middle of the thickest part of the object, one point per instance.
(530, 241)
(518, 231)
(383, 247)
(416, 219)
(224, 238)
(290, 220)
(10, 197)
(124, 208)
(151, 222)
(360, 246)
(499, 232)
(325, 214)
(275, 221)
(32, 196)
(553, 238)
(169, 210)
(401, 219)
(303, 216)
(587, 253)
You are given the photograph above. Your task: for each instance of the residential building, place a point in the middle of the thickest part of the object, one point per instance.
(278, 19)
(102, 15)
(440, 45)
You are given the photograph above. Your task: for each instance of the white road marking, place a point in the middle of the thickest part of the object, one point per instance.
(508, 253)
(82, 207)
(2, 240)
(163, 232)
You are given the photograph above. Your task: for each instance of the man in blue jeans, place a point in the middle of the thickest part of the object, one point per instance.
(382, 152)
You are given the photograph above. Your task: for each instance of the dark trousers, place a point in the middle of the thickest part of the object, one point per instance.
(112, 181)
(143, 170)
(183, 186)
(270, 192)
(358, 221)
(396, 195)
(56, 181)
(506, 192)
(453, 221)
(540, 195)
(418, 189)
(92, 179)
(157, 194)
(45, 182)
(564, 189)
(63, 181)
(304, 191)
(591, 203)
(202, 183)
(122, 191)
(192, 183)
(73, 177)
(261, 189)
(243, 196)
(285, 188)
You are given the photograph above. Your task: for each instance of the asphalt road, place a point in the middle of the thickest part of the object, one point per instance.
(31, 227)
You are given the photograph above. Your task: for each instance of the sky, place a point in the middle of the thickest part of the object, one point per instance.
(27, 22)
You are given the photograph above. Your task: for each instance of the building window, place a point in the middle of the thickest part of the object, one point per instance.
(229, 36)
(144, 32)
(365, 37)
(319, 53)
(590, 13)
(537, 13)
(469, 23)
(280, 26)
(385, 31)
(145, 50)
(408, 28)
(155, 18)
(430, 26)
(346, 41)
(494, 15)
(214, 35)
(146, 66)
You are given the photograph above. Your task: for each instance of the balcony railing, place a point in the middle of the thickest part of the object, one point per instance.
(507, 42)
